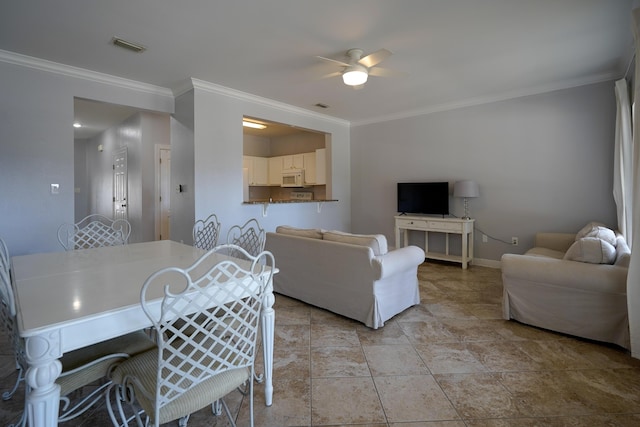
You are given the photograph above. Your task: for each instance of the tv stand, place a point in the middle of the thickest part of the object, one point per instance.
(428, 224)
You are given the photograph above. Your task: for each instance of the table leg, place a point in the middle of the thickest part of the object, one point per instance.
(43, 399)
(268, 332)
(465, 253)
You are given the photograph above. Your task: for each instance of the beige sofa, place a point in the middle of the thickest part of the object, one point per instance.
(571, 283)
(348, 274)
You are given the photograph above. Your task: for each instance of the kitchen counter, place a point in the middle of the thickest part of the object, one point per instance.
(260, 202)
(266, 202)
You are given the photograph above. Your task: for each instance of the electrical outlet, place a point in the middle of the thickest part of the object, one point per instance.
(484, 238)
(514, 241)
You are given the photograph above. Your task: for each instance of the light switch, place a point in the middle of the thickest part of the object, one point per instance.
(55, 188)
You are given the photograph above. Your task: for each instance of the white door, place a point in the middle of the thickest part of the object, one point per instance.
(120, 186)
(163, 206)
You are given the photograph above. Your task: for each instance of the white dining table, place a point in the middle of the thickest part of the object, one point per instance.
(70, 300)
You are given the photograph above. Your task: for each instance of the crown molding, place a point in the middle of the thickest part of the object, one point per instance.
(472, 102)
(244, 96)
(81, 73)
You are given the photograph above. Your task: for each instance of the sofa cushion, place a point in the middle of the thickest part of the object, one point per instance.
(545, 253)
(599, 231)
(311, 233)
(592, 250)
(377, 242)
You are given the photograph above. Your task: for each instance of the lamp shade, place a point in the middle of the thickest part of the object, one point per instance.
(466, 188)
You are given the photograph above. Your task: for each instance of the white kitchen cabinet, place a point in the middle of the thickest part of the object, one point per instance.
(294, 161)
(321, 166)
(309, 163)
(257, 169)
(275, 170)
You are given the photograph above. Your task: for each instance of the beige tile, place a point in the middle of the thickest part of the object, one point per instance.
(394, 360)
(333, 336)
(430, 424)
(553, 355)
(390, 334)
(417, 313)
(327, 318)
(482, 395)
(427, 332)
(338, 362)
(499, 356)
(342, 401)
(471, 330)
(414, 398)
(548, 393)
(291, 405)
(287, 336)
(449, 358)
(293, 316)
(288, 362)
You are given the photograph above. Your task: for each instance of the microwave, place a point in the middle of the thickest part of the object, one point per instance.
(293, 178)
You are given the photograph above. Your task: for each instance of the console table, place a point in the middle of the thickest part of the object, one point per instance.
(428, 224)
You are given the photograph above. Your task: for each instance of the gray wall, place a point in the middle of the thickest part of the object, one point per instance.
(37, 146)
(543, 163)
(217, 163)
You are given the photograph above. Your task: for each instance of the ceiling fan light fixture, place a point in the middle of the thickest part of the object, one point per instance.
(355, 75)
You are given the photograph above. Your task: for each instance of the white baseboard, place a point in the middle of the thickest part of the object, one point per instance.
(491, 263)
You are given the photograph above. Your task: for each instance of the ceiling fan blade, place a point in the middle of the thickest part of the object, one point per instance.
(375, 58)
(344, 64)
(384, 72)
(326, 76)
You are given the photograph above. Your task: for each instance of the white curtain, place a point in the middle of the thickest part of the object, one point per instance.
(633, 279)
(623, 156)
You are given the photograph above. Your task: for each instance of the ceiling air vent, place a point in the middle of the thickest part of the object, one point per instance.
(134, 47)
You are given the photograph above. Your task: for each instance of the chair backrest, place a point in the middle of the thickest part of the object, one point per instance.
(249, 236)
(8, 306)
(206, 232)
(208, 320)
(94, 231)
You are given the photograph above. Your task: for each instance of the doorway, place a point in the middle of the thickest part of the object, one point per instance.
(163, 191)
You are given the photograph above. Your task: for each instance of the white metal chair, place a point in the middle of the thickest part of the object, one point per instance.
(94, 231)
(206, 232)
(79, 368)
(249, 236)
(207, 326)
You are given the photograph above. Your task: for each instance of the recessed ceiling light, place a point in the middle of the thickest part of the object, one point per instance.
(254, 125)
(134, 47)
(77, 125)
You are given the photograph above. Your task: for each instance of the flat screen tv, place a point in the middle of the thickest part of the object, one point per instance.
(430, 198)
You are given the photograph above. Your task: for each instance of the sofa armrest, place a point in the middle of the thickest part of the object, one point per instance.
(564, 273)
(556, 241)
(398, 260)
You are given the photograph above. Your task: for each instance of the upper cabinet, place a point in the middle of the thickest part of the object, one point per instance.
(275, 170)
(309, 163)
(321, 166)
(257, 168)
(294, 161)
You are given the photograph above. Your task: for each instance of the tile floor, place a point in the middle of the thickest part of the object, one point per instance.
(449, 362)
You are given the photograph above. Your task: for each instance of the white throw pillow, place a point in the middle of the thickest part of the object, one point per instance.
(591, 250)
(587, 229)
(310, 233)
(377, 242)
(600, 232)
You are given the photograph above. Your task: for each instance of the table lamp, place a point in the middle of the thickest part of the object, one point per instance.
(466, 189)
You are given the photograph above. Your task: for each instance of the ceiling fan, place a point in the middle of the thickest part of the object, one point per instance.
(358, 69)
